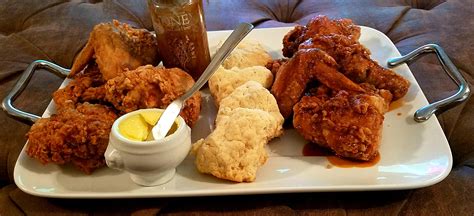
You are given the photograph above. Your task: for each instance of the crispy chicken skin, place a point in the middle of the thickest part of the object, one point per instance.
(318, 25)
(152, 87)
(86, 87)
(355, 62)
(305, 66)
(79, 135)
(350, 124)
(115, 47)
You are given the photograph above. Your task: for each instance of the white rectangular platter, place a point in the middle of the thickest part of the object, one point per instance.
(413, 154)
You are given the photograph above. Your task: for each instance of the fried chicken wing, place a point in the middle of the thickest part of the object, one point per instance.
(305, 66)
(318, 25)
(79, 136)
(115, 47)
(355, 62)
(350, 124)
(152, 87)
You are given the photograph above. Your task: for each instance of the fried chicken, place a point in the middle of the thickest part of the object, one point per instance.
(152, 87)
(346, 92)
(78, 135)
(348, 123)
(305, 66)
(115, 47)
(275, 65)
(355, 62)
(318, 25)
(86, 87)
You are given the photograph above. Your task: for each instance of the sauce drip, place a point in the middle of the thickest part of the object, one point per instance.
(395, 105)
(311, 149)
(347, 163)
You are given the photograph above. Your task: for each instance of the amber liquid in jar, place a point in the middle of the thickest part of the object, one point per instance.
(181, 34)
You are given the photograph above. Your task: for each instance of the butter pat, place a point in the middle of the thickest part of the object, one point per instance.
(151, 117)
(135, 128)
(138, 127)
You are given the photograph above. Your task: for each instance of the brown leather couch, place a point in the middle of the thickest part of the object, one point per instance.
(56, 30)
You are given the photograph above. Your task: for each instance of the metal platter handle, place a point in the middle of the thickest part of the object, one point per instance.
(7, 103)
(461, 95)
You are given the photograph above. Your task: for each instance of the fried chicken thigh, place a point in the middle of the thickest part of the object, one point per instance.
(116, 47)
(79, 135)
(152, 87)
(350, 124)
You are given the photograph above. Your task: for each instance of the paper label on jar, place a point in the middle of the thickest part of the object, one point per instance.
(178, 22)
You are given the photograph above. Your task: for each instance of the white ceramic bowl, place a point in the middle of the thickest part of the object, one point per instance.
(149, 163)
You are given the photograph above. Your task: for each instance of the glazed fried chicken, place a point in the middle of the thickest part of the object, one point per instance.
(275, 65)
(152, 87)
(346, 92)
(355, 62)
(78, 136)
(305, 66)
(318, 25)
(350, 124)
(115, 47)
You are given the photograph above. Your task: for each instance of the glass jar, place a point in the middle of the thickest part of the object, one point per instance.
(181, 34)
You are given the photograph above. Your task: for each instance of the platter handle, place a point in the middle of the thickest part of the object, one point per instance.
(461, 95)
(7, 103)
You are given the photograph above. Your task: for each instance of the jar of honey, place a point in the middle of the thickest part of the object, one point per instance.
(181, 34)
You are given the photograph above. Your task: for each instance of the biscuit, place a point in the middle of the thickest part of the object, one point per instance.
(250, 95)
(236, 148)
(247, 53)
(224, 81)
